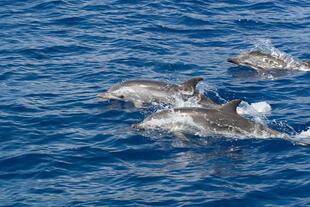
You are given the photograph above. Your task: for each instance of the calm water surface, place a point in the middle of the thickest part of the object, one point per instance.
(61, 146)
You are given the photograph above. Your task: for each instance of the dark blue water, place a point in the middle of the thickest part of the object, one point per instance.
(61, 146)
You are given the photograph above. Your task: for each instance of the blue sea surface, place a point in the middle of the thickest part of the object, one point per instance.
(62, 146)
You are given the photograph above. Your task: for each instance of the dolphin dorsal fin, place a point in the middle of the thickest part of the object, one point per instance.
(190, 85)
(231, 106)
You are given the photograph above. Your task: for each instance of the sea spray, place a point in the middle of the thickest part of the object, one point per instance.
(256, 111)
(303, 138)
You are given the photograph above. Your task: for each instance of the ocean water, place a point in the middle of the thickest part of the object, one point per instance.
(62, 146)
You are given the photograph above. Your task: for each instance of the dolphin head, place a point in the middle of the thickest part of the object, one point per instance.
(137, 126)
(115, 93)
(243, 58)
(234, 60)
(109, 96)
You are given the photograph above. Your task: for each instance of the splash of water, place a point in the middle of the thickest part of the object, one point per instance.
(256, 111)
(203, 86)
(262, 107)
(303, 138)
(190, 102)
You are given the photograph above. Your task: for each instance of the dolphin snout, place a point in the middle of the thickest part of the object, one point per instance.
(106, 96)
(233, 60)
(137, 126)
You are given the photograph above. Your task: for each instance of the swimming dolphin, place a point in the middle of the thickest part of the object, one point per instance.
(262, 61)
(142, 92)
(223, 121)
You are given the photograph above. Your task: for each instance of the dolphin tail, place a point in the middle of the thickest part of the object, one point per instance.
(190, 85)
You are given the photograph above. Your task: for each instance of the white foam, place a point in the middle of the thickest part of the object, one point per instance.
(256, 111)
(191, 102)
(203, 87)
(261, 107)
(305, 134)
(302, 138)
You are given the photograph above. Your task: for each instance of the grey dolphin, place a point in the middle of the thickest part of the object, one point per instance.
(141, 92)
(223, 120)
(261, 61)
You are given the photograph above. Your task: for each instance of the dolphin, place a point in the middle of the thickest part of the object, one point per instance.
(261, 61)
(223, 120)
(142, 92)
